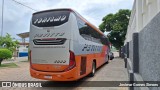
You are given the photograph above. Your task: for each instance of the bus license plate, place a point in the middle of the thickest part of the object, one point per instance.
(48, 77)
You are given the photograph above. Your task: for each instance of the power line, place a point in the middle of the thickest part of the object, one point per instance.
(3, 13)
(25, 5)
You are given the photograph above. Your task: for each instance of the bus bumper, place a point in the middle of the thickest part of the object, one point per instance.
(70, 75)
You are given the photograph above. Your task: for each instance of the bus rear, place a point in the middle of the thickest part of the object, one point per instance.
(51, 57)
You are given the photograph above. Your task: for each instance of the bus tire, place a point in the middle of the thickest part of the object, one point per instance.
(93, 69)
(107, 60)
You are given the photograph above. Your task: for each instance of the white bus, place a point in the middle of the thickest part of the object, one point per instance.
(64, 46)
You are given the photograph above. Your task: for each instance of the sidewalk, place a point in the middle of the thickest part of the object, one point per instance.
(18, 59)
(116, 54)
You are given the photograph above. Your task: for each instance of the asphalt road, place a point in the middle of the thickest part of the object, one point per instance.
(113, 71)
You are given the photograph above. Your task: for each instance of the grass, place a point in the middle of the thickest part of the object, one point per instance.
(10, 65)
(25, 61)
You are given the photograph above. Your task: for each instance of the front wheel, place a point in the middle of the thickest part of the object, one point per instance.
(93, 69)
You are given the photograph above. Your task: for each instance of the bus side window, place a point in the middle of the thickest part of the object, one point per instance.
(104, 40)
(88, 33)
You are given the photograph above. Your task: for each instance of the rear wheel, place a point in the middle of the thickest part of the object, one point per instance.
(93, 69)
(107, 60)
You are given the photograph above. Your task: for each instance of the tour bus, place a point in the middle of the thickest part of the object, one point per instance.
(64, 46)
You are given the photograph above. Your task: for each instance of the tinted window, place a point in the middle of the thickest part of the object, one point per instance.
(104, 40)
(90, 34)
(50, 18)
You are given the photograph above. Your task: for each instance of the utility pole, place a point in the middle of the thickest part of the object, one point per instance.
(2, 18)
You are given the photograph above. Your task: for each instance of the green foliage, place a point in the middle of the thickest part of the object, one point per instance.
(5, 53)
(8, 42)
(117, 25)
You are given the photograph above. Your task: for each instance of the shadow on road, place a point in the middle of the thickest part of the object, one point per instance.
(86, 81)
(79, 83)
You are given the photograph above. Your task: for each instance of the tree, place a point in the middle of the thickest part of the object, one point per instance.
(5, 54)
(117, 25)
(7, 46)
(8, 42)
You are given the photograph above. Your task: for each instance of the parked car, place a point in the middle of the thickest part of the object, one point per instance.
(111, 55)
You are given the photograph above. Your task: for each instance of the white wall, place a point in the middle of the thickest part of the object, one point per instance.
(142, 13)
(23, 48)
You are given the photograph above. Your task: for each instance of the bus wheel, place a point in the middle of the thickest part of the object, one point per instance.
(107, 60)
(93, 69)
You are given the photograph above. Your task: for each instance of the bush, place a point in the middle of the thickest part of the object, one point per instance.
(5, 54)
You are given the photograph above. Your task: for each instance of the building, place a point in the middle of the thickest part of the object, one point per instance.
(142, 44)
(22, 50)
(143, 12)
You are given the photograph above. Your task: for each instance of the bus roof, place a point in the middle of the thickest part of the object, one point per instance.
(61, 9)
(76, 13)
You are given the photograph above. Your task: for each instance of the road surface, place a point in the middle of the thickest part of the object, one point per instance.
(113, 71)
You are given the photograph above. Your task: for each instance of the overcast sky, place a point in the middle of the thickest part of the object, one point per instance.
(17, 17)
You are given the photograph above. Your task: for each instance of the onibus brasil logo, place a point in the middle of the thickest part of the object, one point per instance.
(21, 84)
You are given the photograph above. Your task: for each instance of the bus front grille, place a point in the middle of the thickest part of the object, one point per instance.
(49, 41)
